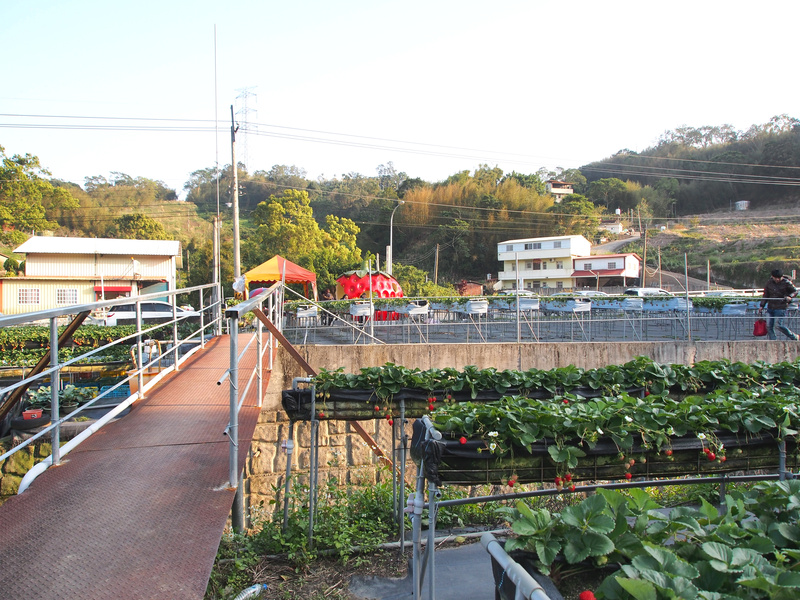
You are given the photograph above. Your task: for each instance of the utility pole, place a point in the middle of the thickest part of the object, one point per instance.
(237, 267)
(436, 267)
(644, 261)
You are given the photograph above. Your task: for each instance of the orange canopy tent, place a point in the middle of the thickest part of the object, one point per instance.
(278, 268)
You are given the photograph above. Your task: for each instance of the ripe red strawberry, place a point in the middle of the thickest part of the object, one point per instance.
(722, 459)
(711, 456)
(647, 393)
(566, 401)
(430, 406)
(511, 482)
(568, 477)
(628, 476)
(322, 415)
(668, 452)
(377, 408)
(391, 422)
(586, 595)
(558, 480)
(462, 439)
(572, 488)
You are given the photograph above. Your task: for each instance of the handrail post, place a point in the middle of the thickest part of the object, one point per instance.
(237, 516)
(55, 380)
(140, 374)
(174, 333)
(260, 359)
(202, 321)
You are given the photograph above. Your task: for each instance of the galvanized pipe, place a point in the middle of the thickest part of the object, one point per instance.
(527, 587)
(55, 381)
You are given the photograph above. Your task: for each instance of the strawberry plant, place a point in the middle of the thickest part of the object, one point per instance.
(748, 550)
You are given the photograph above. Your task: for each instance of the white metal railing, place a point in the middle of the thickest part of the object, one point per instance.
(209, 320)
(270, 302)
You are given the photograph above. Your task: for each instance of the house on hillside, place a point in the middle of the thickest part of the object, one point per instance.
(558, 189)
(63, 271)
(604, 270)
(540, 263)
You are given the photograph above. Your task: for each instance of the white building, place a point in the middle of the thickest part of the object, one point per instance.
(558, 189)
(603, 270)
(540, 263)
(63, 271)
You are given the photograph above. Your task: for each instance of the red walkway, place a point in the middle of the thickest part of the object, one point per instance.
(136, 511)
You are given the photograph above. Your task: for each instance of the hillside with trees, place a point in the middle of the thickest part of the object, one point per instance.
(445, 231)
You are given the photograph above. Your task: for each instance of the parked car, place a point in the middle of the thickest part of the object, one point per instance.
(154, 311)
(516, 293)
(590, 293)
(723, 294)
(647, 291)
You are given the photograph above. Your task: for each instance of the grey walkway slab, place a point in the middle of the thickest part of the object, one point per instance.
(462, 573)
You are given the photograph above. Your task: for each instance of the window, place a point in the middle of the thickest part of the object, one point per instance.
(66, 296)
(529, 265)
(536, 246)
(544, 266)
(528, 246)
(612, 265)
(28, 296)
(556, 244)
(509, 247)
(537, 266)
(513, 267)
(587, 266)
(559, 265)
(559, 285)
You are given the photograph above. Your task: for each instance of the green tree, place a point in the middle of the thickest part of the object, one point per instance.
(576, 215)
(532, 181)
(27, 200)
(608, 192)
(138, 226)
(285, 225)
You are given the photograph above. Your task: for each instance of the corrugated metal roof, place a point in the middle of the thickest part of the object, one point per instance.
(76, 245)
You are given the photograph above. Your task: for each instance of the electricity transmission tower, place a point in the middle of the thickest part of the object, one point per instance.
(247, 116)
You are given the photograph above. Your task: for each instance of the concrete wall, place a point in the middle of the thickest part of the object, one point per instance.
(346, 456)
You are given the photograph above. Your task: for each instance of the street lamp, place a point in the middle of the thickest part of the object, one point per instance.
(390, 247)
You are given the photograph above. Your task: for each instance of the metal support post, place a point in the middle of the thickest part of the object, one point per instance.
(233, 424)
(313, 467)
(287, 484)
(260, 360)
(55, 381)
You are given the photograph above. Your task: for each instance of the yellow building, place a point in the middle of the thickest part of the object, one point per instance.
(63, 271)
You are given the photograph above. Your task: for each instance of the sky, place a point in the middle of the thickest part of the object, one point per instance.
(336, 87)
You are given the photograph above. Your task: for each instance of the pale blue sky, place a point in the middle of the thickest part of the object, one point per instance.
(518, 84)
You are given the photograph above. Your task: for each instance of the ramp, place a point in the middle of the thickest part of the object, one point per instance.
(137, 511)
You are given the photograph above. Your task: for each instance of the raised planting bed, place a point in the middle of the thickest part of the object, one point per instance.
(470, 462)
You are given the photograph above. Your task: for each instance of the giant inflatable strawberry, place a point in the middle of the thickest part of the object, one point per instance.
(355, 284)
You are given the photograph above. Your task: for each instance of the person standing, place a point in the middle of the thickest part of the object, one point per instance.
(327, 296)
(777, 296)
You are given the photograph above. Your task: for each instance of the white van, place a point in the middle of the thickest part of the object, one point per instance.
(647, 291)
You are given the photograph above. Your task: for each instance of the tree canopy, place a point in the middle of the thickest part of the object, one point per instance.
(27, 200)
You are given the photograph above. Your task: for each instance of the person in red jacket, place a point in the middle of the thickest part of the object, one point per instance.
(778, 294)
